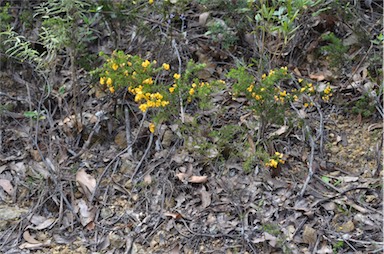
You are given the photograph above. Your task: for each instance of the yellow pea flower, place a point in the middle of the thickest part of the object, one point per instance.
(146, 63)
(176, 76)
(109, 82)
(191, 91)
(143, 107)
(150, 1)
(166, 66)
(115, 66)
(152, 127)
(112, 89)
(102, 80)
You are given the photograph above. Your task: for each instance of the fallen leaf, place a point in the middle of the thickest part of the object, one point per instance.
(86, 182)
(325, 250)
(27, 237)
(182, 176)
(47, 223)
(203, 18)
(347, 227)
(176, 216)
(309, 235)
(7, 186)
(198, 179)
(205, 198)
(87, 215)
(272, 240)
(147, 179)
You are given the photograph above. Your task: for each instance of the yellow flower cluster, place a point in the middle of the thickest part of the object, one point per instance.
(327, 93)
(274, 162)
(146, 63)
(108, 82)
(152, 100)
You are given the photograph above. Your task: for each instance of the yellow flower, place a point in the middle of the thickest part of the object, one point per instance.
(109, 82)
(263, 76)
(271, 72)
(164, 103)
(176, 76)
(250, 88)
(327, 90)
(150, 2)
(221, 81)
(280, 155)
(102, 80)
(143, 107)
(283, 94)
(272, 163)
(166, 66)
(115, 66)
(129, 64)
(306, 105)
(146, 63)
(194, 85)
(152, 127)
(262, 89)
(302, 89)
(257, 97)
(300, 80)
(112, 89)
(148, 81)
(191, 91)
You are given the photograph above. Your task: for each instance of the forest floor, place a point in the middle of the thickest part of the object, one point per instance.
(67, 187)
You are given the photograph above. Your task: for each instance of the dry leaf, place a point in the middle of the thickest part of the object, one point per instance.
(272, 240)
(147, 179)
(46, 223)
(86, 183)
(198, 179)
(7, 186)
(182, 176)
(205, 198)
(347, 227)
(27, 237)
(176, 216)
(87, 215)
(203, 18)
(309, 235)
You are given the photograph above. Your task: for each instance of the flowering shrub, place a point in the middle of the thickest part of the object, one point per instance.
(268, 99)
(154, 86)
(274, 160)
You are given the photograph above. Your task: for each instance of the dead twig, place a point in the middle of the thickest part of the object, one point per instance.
(310, 166)
(128, 130)
(179, 71)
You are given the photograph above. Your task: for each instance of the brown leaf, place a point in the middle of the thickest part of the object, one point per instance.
(47, 223)
(309, 235)
(86, 183)
(87, 215)
(205, 198)
(27, 237)
(182, 176)
(348, 227)
(7, 186)
(198, 179)
(147, 179)
(203, 18)
(176, 216)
